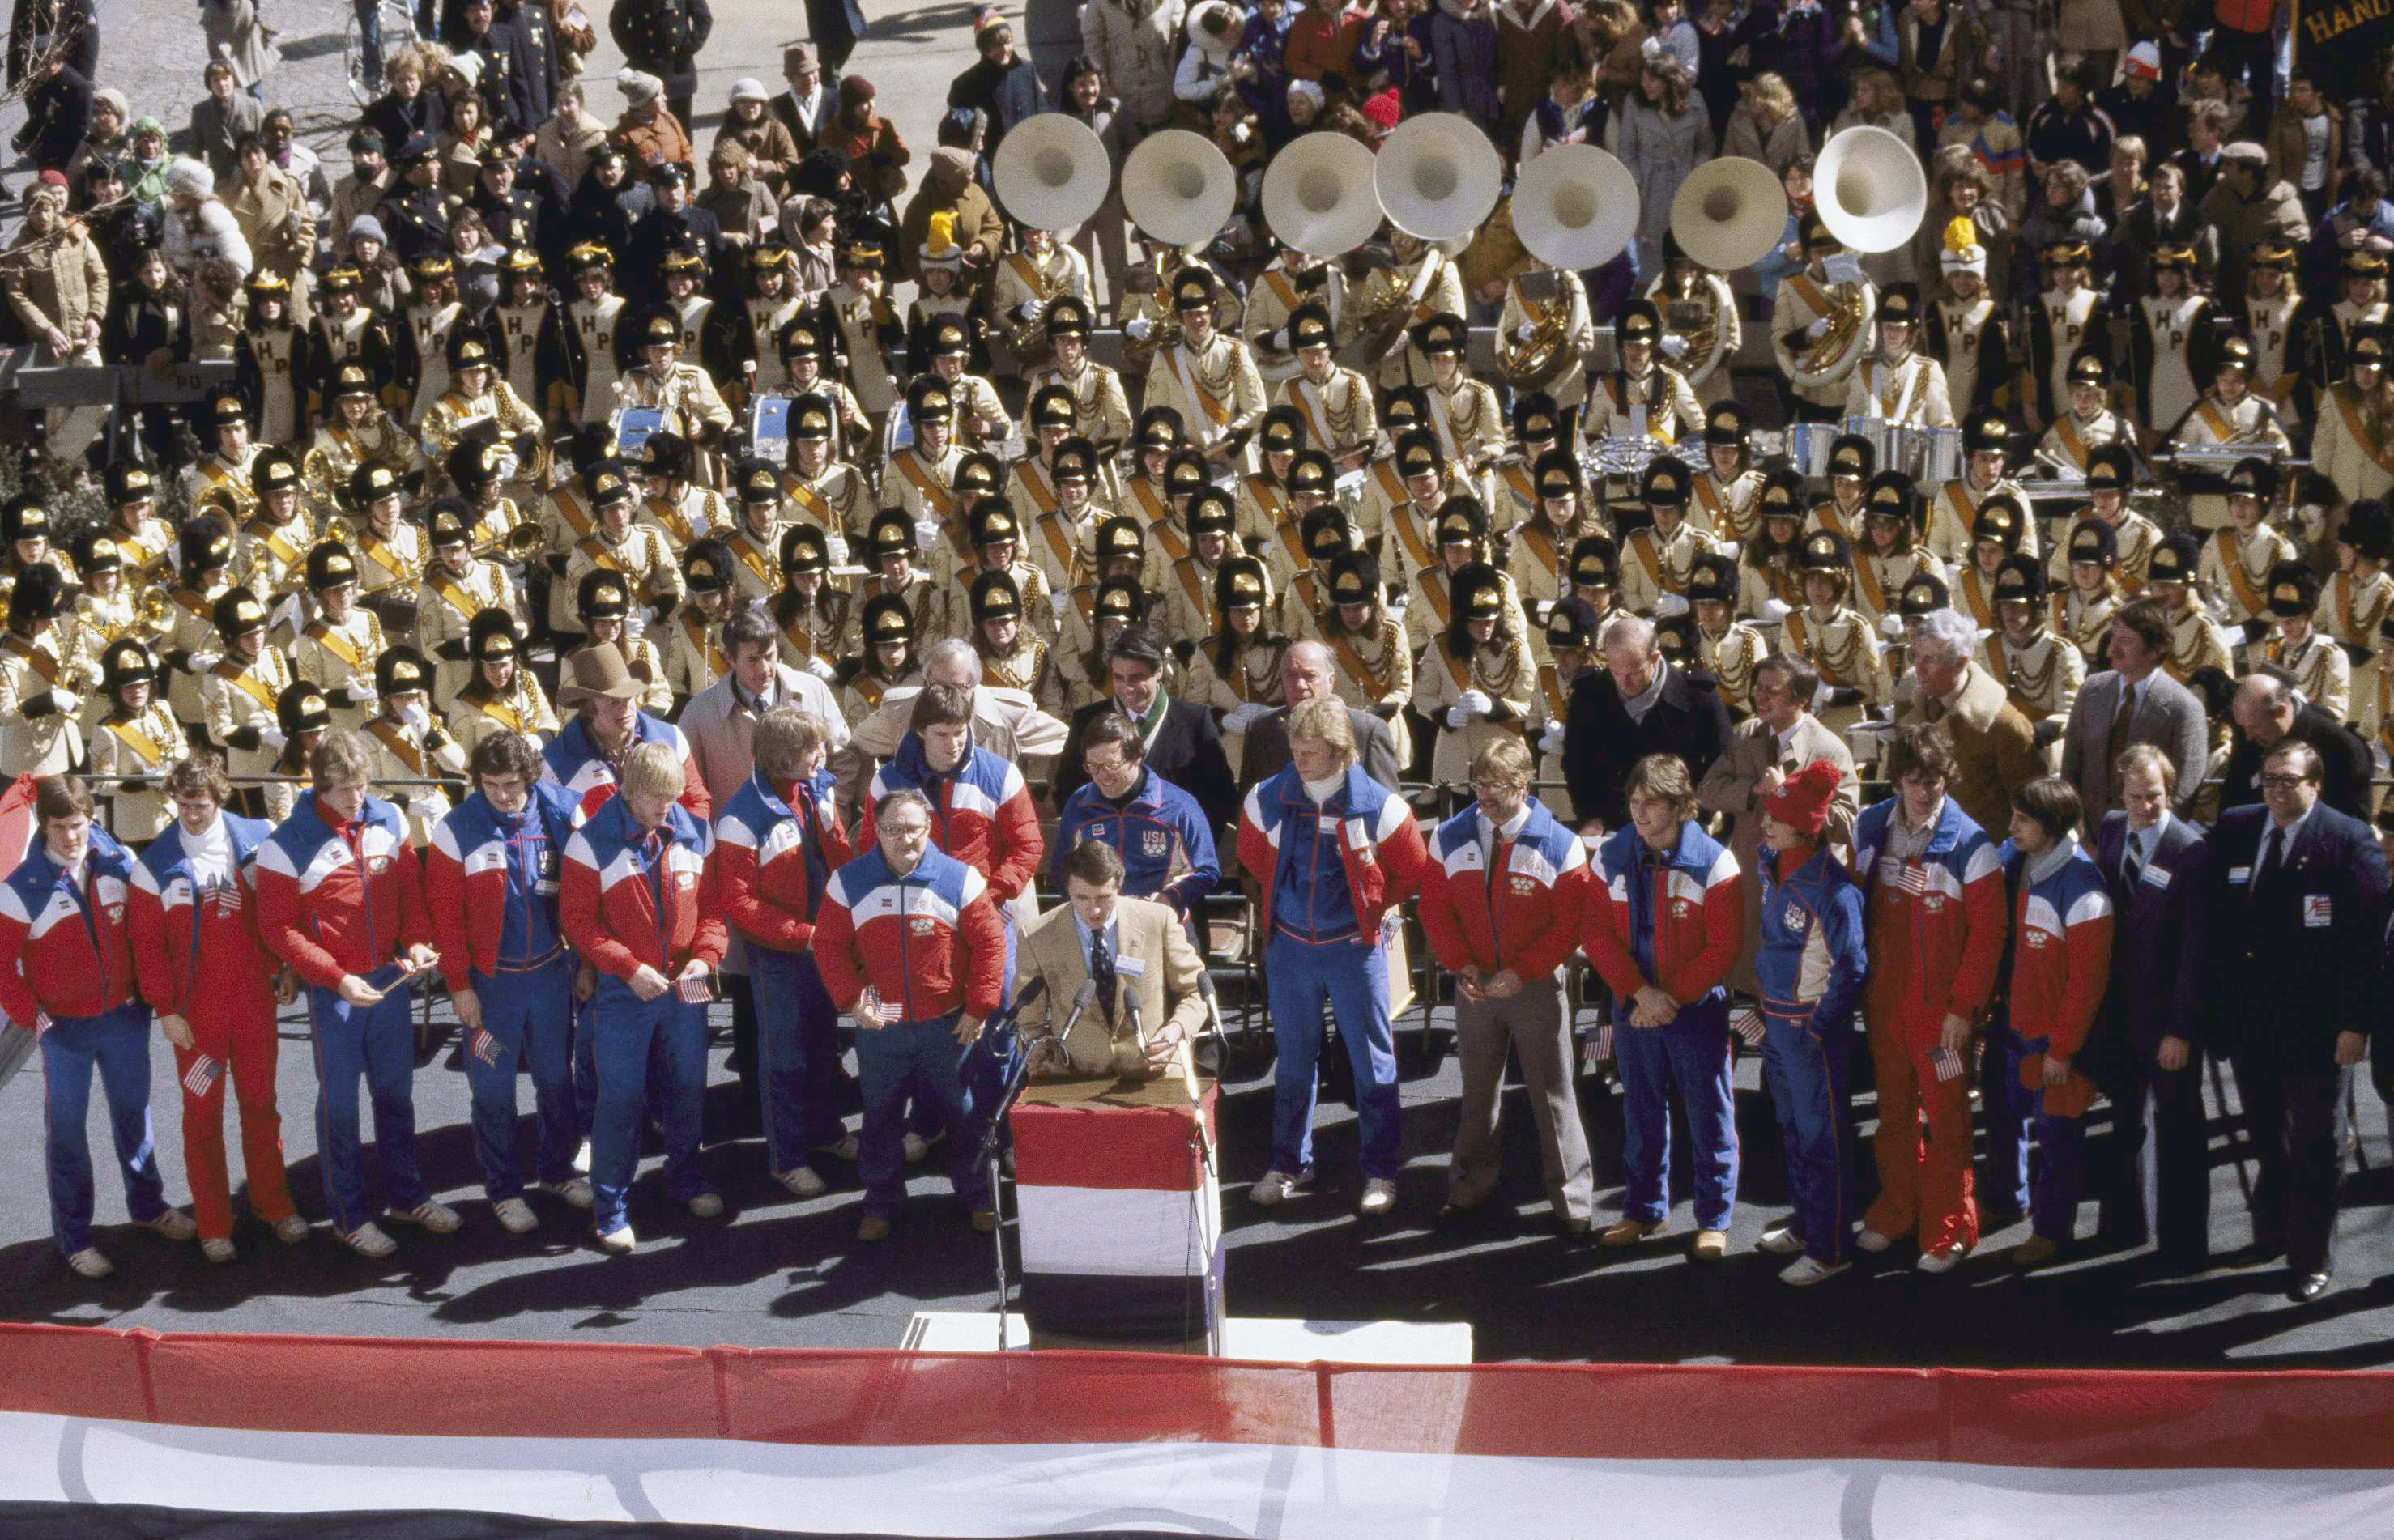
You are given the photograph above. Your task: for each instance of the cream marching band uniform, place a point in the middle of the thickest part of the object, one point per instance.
(1273, 300)
(332, 657)
(1879, 580)
(475, 713)
(449, 608)
(1340, 417)
(698, 512)
(237, 695)
(1672, 410)
(2072, 439)
(2175, 327)
(1437, 284)
(400, 752)
(1217, 392)
(1568, 388)
(1803, 299)
(1101, 408)
(694, 652)
(1375, 674)
(1708, 376)
(1732, 658)
(430, 329)
(2251, 421)
(2085, 623)
(642, 556)
(1020, 277)
(1964, 326)
(1844, 648)
(1502, 670)
(1431, 604)
(31, 668)
(2270, 323)
(1954, 514)
(2043, 678)
(448, 417)
(391, 560)
(2138, 537)
(2322, 671)
(1727, 510)
(2236, 569)
(1653, 566)
(2357, 461)
(2070, 320)
(1911, 392)
(191, 627)
(2351, 608)
(121, 749)
(684, 392)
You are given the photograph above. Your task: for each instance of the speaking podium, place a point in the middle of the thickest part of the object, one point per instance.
(1120, 1215)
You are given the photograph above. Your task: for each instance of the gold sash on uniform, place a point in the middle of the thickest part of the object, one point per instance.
(1810, 293)
(371, 545)
(1269, 498)
(1541, 545)
(1441, 603)
(1345, 647)
(146, 748)
(746, 549)
(1207, 401)
(1416, 550)
(577, 518)
(2379, 454)
(810, 501)
(40, 662)
(284, 552)
(385, 733)
(456, 596)
(1642, 542)
(603, 555)
(2232, 558)
(2073, 443)
(1051, 524)
(1874, 591)
(1043, 496)
(249, 684)
(1186, 569)
(936, 495)
(500, 712)
(2221, 428)
(703, 636)
(335, 644)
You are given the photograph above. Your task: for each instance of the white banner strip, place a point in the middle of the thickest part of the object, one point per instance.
(1119, 1229)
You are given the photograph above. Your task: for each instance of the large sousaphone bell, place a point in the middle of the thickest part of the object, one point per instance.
(1574, 206)
(1730, 213)
(1870, 189)
(1177, 188)
(1317, 196)
(1437, 176)
(1051, 171)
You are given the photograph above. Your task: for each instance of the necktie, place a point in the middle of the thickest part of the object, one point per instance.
(2268, 862)
(2128, 713)
(2132, 865)
(1936, 711)
(1101, 972)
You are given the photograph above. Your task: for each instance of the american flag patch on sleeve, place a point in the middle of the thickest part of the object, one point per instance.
(201, 1077)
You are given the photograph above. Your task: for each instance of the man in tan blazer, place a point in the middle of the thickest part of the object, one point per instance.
(1780, 738)
(1136, 942)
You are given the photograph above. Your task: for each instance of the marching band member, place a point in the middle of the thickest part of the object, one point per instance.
(1819, 331)
(692, 410)
(1954, 507)
(2239, 557)
(2321, 669)
(1094, 615)
(303, 718)
(1661, 559)
(1403, 496)
(755, 545)
(1967, 332)
(1039, 271)
(275, 540)
(2228, 413)
(42, 684)
(1060, 534)
(1889, 557)
(1336, 401)
(1013, 655)
(1205, 374)
(1896, 383)
(1265, 504)
(823, 487)
(457, 586)
(337, 651)
(567, 517)
(214, 989)
(2197, 640)
(1374, 661)
(131, 748)
(1304, 582)
(1296, 281)
(269, 360)
(107, 609)
(927, 469)
(980, 418)
(241, 690)
(1852, 462)
(1100, 408)
(1724, 492)
(1476, 683)
(512, 326)
(392, 552)
(1561, 312)
(803, 352)
(2064, 321)
(405, 744)
(224, 470)
(1461, 536)
(475, 393)
(889, 545)
(501, 696)
(812, 616)
(2353, 446)
(491, 884)
(997, 548)
(1422, 282)
(2069, 444)
(1643, 389)
(346, 333)
(1727, 648)
(1537, 432)
(2357, 599)
(1188, 613)
(1568, 641)
(1677, 286)
(2083, 607)
(141, 538)
(1770, 583)
(1469, 422)
(2270, 312)
(1550, 527)
(2168, 340)
(885, 660)
(638, 553)
(1237, 668)
(429, 319)
(684, 272)
(2111, 471)
(357, 428)
(870, 333)
(678, 503)
(340, 901)
(2041, 673)
(1839, 644)
(693, 636)
(2362, 272)
(482, 472)
(602, 602)
(73, 983)
(585, 341)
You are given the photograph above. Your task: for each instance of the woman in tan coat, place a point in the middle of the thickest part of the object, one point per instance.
(772, 149)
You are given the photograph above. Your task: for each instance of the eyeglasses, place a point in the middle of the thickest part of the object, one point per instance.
(1483, 786)
(2285, 783)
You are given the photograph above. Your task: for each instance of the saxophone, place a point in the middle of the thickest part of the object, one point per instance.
(1535, 364)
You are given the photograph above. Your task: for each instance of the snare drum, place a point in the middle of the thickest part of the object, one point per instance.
(633, 426)
(1808, 446)
(769, 429)
(1940, 455)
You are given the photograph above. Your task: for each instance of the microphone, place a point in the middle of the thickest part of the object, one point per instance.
(1081, 998)
(1029, 993)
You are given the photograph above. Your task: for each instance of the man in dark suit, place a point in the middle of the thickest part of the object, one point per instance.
(811, 99)
(2147, 1058)
(2155, 708)
(1636, 705)
(1184, 745)
(2267, 716)
(1306, 670)
(2294, 901)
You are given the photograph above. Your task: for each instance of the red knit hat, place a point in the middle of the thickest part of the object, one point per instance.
(1383, 109)
(1802, 801)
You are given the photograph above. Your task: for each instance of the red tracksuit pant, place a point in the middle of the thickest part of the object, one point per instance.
(1923, 1143)
(241, 1039)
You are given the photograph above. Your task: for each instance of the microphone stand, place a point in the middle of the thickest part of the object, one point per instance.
(1017, 1076)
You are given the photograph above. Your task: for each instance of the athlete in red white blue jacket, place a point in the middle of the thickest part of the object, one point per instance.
(1665, 920)
(68, 974)
(586, 756)
(340, 900)
(493, 873)
(193, 916)
(639, 906)
(909, 940)
(776, 846)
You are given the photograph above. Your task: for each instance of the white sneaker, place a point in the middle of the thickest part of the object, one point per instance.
(1379, 1197)
(1274, 1189)
(1781, 1239)
(708, 1205)
(1941, 1261)
(619, 1240)
(368, 1239)
(1805, 1271)
(175, 1225)
(1872, 1240)
(89, 1263)
(802, 1181)
(844, 1149)
(432, 1214)
(216, 1249)
(915, 1147)
(575, 1191)
(291, 1230)
(582, 1158)
(515, 1216)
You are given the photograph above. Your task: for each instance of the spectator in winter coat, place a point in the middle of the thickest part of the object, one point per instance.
(773, 153)
(1003, 86)
(58, 115)
(220, 118)
(2246, 205)
(1136, 44)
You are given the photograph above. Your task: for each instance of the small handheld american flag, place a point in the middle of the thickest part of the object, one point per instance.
(1600, 1047)
(201, 1077)
(1749, 1025)
(1947, 1065)
(484, 1047)
(695, 990)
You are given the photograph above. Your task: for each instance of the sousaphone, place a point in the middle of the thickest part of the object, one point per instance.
(1177, 188)
(1438, 176)
(1730, 213)
(1870, 189)
(1318, 194)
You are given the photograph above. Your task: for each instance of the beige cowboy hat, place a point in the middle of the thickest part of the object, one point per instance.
(597, 673)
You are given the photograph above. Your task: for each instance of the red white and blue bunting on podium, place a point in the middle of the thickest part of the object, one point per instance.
(106, 1434)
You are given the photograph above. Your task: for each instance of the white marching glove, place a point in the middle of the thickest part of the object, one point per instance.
(1818, 330)
(928, 533)
(1669, 605)
(1137, 328)
(2312, 518)
(425, 806)
(1525, 330)
(67, 702)
(1891, 626)
(273, 738)
(1479, 701)
(1820, 698)
(1551, 741)
(202, 662)
(359, 691)
(1458, 716)
(835, 547)
(821, 670)
(1776, 609)
(417, 717)
(1034, 308)
(1674, 346)
(1278, 341)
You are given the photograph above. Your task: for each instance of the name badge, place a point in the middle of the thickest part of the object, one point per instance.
(546, 887)
(2240, 874)
(2155, 877)
(1130, 968)
(2319, 911)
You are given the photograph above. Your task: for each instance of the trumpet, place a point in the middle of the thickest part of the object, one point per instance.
(521, 543)
(154, 609)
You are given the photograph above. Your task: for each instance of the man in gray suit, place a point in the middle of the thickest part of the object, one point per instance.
(1780, 738)
(1306, 671)
(2135, 700)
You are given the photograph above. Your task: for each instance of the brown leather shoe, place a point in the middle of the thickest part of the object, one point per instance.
(1628, 1233)
(2035, 1251)
(984, 1219)
(1711, 1245)
(872, 1226)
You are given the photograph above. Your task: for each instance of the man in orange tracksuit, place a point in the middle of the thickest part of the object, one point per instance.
(1935, 914)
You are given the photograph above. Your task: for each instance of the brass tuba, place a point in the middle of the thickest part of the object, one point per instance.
(1846, 319)
(1537, 363)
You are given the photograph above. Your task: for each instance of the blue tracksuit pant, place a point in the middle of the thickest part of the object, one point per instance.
(1692, 1053)
(377, 1042)
(1354, 980)
(117, 1044)
(1806, 1076)
(797, 1049)
(921, 1059)
(585, 1067)
(2013, 1109)
(631, 1037)
(530, 1013)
